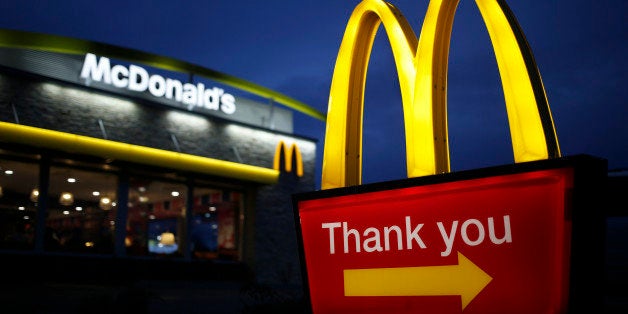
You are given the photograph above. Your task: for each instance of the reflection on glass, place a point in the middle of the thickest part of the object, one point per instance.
(75, 220)
(17, 210)
(161, 238)
(81, 211)
(213, 229)
(156, 217)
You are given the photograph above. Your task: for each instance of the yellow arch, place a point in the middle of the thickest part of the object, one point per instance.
(288, 152)
(424, 97)
(342, 160)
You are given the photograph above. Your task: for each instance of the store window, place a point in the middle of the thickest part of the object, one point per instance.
(215, 224)
(81, 211)
(156, 218)
(18, 204)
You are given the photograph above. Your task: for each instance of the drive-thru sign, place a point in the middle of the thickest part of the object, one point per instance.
(496, 240)
(522, 238)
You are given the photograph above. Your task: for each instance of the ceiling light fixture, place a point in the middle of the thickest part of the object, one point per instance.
(66, 199)
(34, 195)
(105, 203)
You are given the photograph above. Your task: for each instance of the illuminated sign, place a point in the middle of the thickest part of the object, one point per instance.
(521, 238)
(494, 240)
(137, 79)
(63, 59)
(285, 151)
(422, 69)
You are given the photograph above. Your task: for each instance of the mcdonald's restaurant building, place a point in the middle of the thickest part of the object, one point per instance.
(115, 171)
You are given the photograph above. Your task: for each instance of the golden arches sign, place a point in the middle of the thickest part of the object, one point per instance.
(287, 152)
(422, 70)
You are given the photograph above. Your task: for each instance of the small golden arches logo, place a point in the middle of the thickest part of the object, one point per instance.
(288, 151)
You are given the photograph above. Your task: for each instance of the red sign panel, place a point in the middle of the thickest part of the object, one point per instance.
(497, 244)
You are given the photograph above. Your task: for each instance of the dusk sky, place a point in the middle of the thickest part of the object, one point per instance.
(291, 47)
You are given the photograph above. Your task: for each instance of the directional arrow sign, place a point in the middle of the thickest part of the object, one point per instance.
(479, 242)
(464, 279)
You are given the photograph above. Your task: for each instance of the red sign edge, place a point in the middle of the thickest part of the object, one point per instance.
(588, 211)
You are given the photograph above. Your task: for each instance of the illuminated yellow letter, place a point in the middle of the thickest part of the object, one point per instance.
(288, 152)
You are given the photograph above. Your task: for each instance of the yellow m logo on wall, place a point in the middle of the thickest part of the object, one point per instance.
(422, 69)
(288, 152)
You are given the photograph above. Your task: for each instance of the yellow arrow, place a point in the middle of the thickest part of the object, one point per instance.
(464, 279)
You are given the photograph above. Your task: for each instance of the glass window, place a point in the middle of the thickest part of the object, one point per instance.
(214, 227)
(156, 217)
(81, 211)
(18, 204)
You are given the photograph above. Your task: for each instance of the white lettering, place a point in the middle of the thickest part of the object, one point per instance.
(211, 98)
(331, 226)
(157, 85)
(228, 104)
(465, 236)
(200, 87)
(387, 231)
(507, 234)
(99, 70)
(119, 76)
(174, 89)
(375, 239)
(189, 95)
(136, 78)
(345, 235)
(414, 235)
(352, 238)
(449, 241)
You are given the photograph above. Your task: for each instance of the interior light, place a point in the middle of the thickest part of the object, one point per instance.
(105, 203)
(66, 199)
(34, 195)
(174, 193)
(21, 208)
(66, 212)
(79, 208)
(71, 180)
(96, 193)
(8, 172)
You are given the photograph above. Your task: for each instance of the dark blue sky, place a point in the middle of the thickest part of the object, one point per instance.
(291, 47)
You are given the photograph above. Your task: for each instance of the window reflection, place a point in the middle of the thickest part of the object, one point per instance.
(214, 225)
(17, 208)
(81, 211)
(156, 217)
